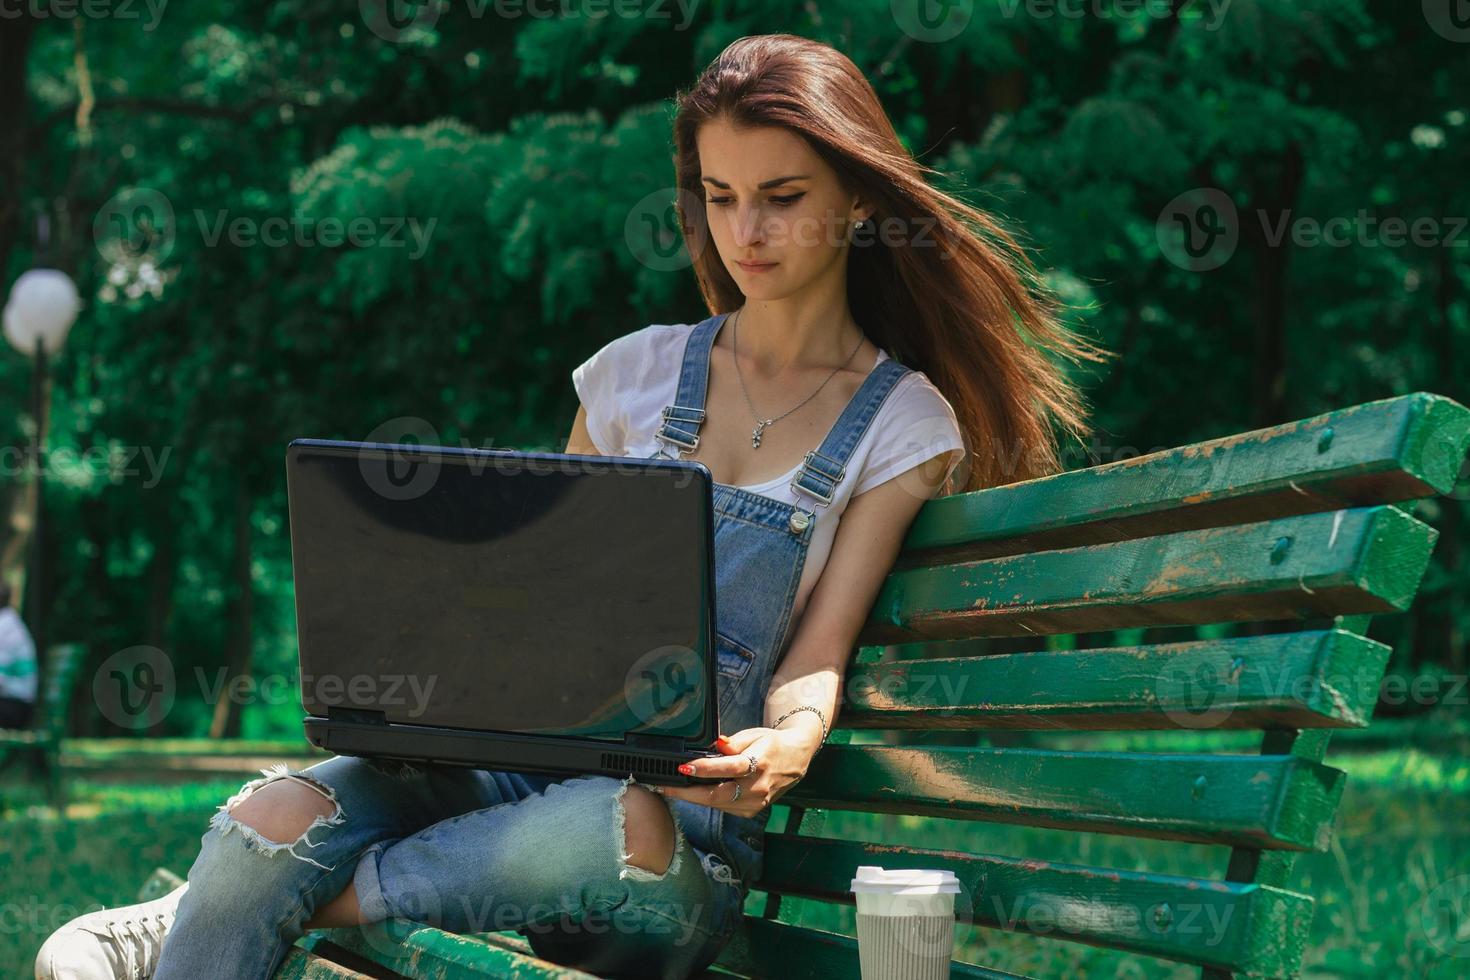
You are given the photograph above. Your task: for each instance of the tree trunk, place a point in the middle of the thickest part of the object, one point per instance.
(226, 722)
(15, 565)
(15, 43)
(1275, 204)
(162, 570)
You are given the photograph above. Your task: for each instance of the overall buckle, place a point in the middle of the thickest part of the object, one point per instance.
(832, 471)
(676, 436)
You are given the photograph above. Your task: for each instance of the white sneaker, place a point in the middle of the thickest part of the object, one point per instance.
(112, 944)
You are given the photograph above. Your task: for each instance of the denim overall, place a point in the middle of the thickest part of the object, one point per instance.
(440, 844)
(760, 550)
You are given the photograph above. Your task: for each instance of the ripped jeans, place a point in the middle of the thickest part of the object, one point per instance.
(467, 850)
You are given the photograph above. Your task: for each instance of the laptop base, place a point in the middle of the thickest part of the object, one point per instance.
(364, 733)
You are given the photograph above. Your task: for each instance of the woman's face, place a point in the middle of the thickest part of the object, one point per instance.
(772, 202)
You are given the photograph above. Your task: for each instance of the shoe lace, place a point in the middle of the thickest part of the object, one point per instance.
(147, 933)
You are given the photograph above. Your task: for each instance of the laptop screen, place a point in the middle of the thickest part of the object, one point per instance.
(503, 591)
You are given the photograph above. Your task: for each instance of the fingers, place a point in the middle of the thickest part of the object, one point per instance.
(677, 793)
(737, 748)
(726, 767)
(719, 795)
(742, 740)
(710, 794)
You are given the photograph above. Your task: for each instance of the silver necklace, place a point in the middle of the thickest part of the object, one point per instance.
(760, 423)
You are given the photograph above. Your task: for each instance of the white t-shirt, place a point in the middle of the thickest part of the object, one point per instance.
(17, 657)
(626, 384)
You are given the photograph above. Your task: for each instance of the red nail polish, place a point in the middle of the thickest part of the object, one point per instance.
(722, 742)
(686, 769)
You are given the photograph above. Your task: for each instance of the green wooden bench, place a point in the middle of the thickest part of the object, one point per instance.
(40, 745)
(1224, 585)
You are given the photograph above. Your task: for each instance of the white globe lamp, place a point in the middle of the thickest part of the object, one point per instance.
(42, 307)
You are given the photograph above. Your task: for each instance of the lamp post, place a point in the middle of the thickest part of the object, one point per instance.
(42, 307)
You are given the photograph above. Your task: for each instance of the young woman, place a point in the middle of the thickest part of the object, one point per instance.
(870, 329)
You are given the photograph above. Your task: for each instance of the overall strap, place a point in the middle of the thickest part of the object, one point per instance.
(682, 419)
(824, 467)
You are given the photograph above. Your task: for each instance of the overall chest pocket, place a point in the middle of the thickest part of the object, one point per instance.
(732, 659)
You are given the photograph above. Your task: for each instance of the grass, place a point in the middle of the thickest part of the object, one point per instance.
(87, 799)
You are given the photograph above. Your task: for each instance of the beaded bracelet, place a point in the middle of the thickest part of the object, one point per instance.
(806, 707)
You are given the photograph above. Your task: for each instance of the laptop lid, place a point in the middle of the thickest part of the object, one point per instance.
(503, 590)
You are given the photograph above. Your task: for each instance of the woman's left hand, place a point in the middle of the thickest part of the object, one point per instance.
(781, 760)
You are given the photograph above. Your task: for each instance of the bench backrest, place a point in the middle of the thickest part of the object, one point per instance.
(1270, 549)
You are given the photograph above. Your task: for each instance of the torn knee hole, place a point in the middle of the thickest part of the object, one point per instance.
(626, 869)
(225, 820)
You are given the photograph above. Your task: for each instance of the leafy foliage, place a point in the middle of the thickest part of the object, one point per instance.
(520, 146)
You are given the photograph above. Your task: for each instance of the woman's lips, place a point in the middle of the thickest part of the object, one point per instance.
(755, 266)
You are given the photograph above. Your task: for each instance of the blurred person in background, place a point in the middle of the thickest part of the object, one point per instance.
(17, 667)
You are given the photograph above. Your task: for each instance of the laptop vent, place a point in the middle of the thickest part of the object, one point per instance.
(627, 762)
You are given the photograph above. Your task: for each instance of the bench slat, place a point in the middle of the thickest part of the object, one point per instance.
(1366, 559)
(1265, 801)
(423, 952)
(302, 965)
(1308, 679)
(1378, 452)
(1251, 928)
(762, 948)
(767, 948)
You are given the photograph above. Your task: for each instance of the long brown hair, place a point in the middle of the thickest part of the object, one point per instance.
(969, 309)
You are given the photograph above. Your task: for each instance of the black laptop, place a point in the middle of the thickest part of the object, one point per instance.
(505, 609)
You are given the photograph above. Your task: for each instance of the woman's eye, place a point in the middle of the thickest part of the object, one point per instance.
(781, 202)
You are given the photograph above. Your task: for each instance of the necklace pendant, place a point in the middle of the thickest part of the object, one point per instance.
(755, 436)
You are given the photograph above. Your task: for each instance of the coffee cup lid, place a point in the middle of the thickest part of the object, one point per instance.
(872, 878)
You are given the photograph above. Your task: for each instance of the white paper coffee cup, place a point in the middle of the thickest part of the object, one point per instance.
(905, 922)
